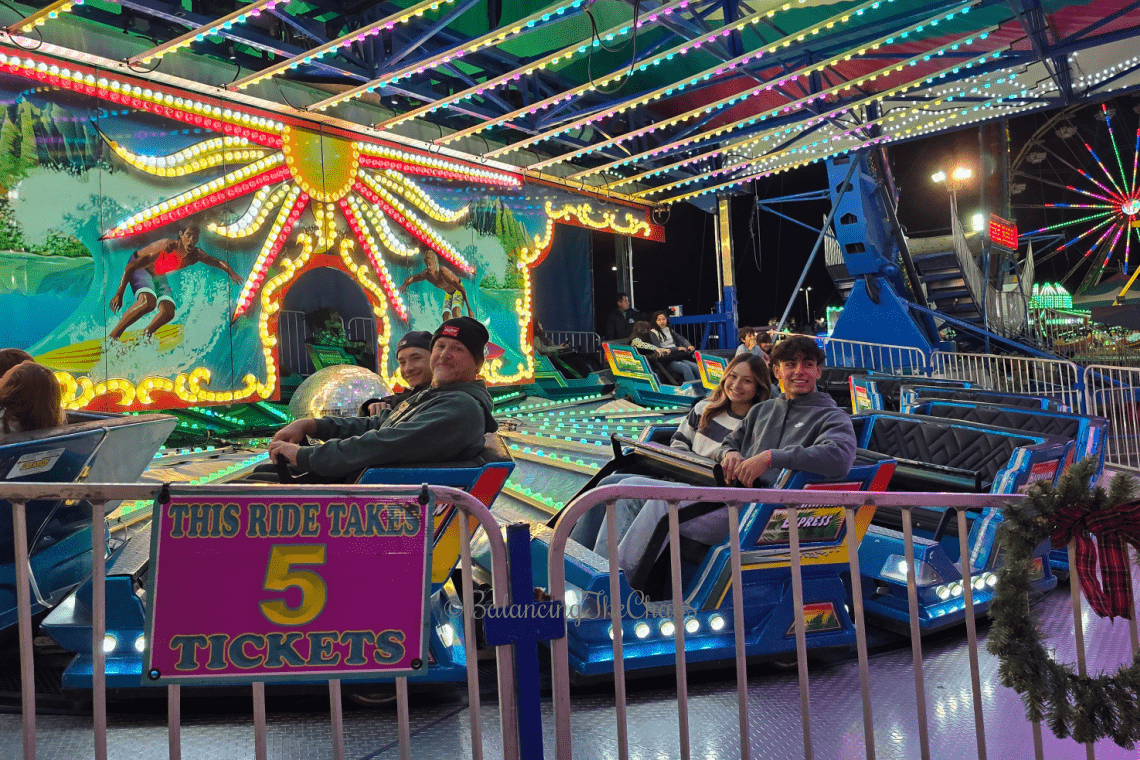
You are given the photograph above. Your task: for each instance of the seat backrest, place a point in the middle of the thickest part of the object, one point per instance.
(1029, 420)
(959, 446)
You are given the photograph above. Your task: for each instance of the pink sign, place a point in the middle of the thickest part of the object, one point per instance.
(255, 589)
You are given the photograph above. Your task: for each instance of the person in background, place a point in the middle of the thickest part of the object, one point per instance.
(413, 352)
(29, 399)
(639, 339)
(747, 337)
(764, 343)
(619, 324)
(10, 357)
(679, 359)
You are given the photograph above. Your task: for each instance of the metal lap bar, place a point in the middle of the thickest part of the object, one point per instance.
(971, 630)
(860, 632)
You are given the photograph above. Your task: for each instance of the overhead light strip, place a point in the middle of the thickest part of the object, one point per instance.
(941, 120)
(358, 35)
(42, 16)
(563, 55)
(490, 39)
(800, 126)
(783, 80)
(197, 35)
(670, 89)
(794, 105)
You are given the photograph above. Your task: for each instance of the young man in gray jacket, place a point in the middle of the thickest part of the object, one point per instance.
(803, 429)
(443, 422)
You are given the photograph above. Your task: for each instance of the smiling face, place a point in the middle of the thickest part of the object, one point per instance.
(662, 320)
(451, 362)
(798, 374)
(739, 384)
(415, 366)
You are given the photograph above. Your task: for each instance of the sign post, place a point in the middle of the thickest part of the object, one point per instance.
(258, 588)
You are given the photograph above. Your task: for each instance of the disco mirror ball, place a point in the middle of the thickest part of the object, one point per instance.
(336, 391)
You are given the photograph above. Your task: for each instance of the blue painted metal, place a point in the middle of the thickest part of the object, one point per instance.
(525, 623)
(1034, 456)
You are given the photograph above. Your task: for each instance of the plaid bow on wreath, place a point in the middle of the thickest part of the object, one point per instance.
(1113, 527)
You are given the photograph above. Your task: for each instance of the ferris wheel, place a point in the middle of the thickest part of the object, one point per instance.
(1081, 165)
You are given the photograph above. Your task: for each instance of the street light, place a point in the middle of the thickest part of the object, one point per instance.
(807, 302)
(955, 181)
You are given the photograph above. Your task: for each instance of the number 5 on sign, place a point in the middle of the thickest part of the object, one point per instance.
(280, 576)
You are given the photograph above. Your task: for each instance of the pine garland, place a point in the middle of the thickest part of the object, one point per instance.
(1085, 708)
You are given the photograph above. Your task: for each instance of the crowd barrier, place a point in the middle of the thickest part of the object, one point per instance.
(99, 494)
(1111, 392)
(735, 498)
(586, 342)
(1013, 374)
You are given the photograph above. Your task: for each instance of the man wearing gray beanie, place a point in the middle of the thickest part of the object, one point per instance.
(444, 422)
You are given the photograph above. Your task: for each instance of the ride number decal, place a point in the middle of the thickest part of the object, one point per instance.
(248, 589)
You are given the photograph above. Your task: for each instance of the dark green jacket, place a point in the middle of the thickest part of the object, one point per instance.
(433, 425)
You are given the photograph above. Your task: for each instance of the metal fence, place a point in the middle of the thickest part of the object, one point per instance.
(735, 499)
(707, 331)
(291, 333)
(585, 342)
(1112, 392)
(99, 494)
(1014, 374)
(903, 360)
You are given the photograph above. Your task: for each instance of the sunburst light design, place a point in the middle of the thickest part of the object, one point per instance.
(1114, 208)
(286, 171)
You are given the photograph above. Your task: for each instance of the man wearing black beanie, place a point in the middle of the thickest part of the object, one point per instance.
(444, 422)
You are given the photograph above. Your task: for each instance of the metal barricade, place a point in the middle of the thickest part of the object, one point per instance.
(1112, 392)
(735, 498)
(1055, 378)
(98, 494)
(291, 333)
(586, 342)
(706, 331)
(899, 360)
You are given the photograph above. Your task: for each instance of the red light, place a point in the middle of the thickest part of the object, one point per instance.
(1003, 232)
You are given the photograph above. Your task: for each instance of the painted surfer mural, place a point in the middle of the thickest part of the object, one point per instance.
(146, 272)
(113, 191)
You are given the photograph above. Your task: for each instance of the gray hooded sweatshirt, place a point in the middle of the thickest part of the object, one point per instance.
(432, 425)
(809, 433)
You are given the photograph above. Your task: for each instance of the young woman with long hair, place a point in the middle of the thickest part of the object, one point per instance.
(29, 399)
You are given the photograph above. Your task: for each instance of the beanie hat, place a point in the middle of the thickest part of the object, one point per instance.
(414, 339)
(470, 332)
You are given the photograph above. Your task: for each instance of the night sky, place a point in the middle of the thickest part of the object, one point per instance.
(771, 252)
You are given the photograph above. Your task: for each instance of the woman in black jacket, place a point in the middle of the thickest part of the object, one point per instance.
(679, 360)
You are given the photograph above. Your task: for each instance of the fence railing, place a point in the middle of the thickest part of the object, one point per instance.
(291, 334)
(904, 360)
(735, 499)
(706, 331)
(1014, 374)
(585, 342)
(98, 494)
(1114, 393)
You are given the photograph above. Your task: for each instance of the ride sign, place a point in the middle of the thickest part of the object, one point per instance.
(263, 588)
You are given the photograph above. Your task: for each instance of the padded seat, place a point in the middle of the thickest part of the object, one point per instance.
(1030, 422)
(939, 457)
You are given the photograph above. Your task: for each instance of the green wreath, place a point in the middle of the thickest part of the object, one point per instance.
(1086, 708)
